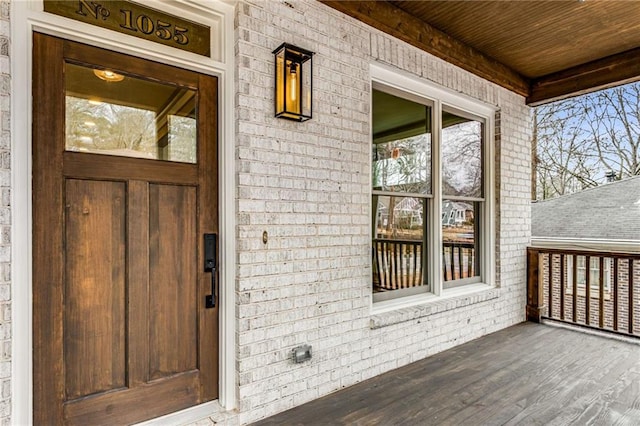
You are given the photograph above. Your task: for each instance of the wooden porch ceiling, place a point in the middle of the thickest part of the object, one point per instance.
(544, 50)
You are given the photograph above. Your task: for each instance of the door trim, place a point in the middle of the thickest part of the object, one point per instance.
(27, 17)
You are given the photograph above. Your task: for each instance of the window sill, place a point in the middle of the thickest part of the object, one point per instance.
(409, 308)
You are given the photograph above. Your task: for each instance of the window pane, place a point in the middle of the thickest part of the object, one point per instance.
(594, 273)
(399, 253)
(460, 240)
(461, 156)
(108, 113)
(401, 145)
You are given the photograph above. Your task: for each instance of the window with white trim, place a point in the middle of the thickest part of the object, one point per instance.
(430, 222)
(594, 274)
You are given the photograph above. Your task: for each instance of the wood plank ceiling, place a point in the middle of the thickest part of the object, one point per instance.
(544, 50)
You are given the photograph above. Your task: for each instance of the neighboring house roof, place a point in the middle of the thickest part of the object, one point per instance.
(610, 211)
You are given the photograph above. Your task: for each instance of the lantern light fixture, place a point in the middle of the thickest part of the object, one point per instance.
(293, 85)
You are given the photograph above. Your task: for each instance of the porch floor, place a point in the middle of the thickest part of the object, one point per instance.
(528, 374)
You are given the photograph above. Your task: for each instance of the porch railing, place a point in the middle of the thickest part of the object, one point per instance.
(593, 289)
(399, 263)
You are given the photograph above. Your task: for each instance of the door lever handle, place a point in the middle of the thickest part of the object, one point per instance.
(210, 263)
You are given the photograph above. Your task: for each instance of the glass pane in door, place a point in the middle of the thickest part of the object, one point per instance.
(117, 114)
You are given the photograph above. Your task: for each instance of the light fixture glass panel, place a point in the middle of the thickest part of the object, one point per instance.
(280, 81)
(306, 88)
(293, 87)
(129, 116)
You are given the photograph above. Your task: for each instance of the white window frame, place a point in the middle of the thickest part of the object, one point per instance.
(594, 291)
(401, 84)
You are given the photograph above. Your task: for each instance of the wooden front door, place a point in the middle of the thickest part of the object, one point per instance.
(124, 190)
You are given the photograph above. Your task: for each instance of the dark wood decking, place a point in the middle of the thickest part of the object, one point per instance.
(528, 374)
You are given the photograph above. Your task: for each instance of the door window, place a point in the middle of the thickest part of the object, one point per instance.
(112, 113)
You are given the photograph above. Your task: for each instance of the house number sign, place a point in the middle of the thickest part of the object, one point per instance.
(137, 20)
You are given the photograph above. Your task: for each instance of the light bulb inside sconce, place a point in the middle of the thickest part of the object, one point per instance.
(294, 81)
(108, 76)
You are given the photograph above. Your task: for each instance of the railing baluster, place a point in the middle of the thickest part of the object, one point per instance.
(444, 263)
(587, 288)
(380, 263)
(460, 265)
(406, 271)
(574, 317)
(453, 263)
(390, 262)
(398, 265)
(630, 270)
(562, 285)
(550, 285)
(376, 253)
(421, 265)
(601, 294)
(415, 265)
(615, 294)
(403, 263)
(387, 266)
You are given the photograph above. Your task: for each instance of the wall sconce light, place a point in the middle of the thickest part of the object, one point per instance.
(293, 82)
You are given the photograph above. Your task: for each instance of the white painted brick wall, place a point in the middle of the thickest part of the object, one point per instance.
(307, 185)
(5, 217)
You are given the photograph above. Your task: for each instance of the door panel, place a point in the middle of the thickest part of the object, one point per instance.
(94, 327)
(172, 263)
(121, 333)
(138, 288)
(132, 405)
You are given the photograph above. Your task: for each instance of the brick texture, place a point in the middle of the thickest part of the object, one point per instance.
(5, 217)
(307, 185)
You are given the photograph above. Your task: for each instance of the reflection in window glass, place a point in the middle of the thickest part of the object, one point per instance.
(399, 218)
(403, 165)
(461, 156)
(401, 145)
(128, 116)
(182, 135)
(399, 257)
(460, 240)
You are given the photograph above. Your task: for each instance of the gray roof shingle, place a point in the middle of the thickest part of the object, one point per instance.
(610, 211)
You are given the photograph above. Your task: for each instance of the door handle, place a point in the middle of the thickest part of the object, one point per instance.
(210, 263)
